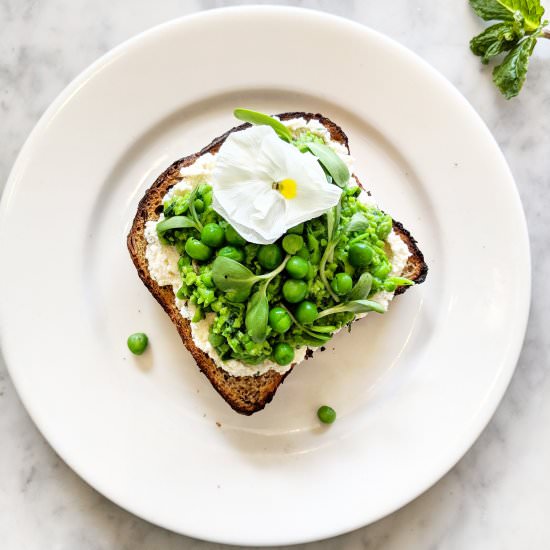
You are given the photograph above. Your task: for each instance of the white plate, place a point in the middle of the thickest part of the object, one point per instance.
(413, 389)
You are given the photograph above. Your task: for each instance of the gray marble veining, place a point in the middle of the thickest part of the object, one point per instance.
(498, 496)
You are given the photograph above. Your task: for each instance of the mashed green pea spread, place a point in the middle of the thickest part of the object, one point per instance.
(326, 241)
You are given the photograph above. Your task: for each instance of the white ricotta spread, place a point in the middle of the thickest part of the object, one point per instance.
(163, 259)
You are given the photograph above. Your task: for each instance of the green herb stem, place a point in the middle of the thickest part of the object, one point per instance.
(355, 306)
(271, 275)
(192, 207)
(309, 331)
(329, 250)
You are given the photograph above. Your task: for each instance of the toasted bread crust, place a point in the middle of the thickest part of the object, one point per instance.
(245, 394)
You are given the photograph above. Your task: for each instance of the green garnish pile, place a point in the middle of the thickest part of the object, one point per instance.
(265, 301)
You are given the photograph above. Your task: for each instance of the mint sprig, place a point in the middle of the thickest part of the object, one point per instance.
(520, 26)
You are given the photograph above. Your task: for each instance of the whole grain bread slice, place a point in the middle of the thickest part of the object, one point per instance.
(245, 394)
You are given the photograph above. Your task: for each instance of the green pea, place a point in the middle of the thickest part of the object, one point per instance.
(381, 270)
(297, 229)
(342, 284)
(292, 243)
(137, 342)
(297, 267)
(197, 250)
(232, 252)
(279, 320)
(199, 205)
(326, 414)
(360, 255)
(303, 253)
(212, 235)
(270, 256)
(216, 339)
(283, 354)
(294, 291)
(306, 312)
(232, 237)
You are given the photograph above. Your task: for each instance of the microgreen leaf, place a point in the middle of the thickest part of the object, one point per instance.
(401, 281)
(323, 329)
(355, 306)
(332, 163)
(510, 75)
(236, 280)
(257, 313)
(362, 288)
(175, 222)
(261, 119)
(229, 275)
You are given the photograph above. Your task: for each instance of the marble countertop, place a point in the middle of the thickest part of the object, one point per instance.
(498, 496)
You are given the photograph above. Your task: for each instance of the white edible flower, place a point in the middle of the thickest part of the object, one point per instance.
(263, 186)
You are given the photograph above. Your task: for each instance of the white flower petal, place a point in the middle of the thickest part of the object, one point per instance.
(248, 164)
(259, 217)
(238, 159)
(315, 195)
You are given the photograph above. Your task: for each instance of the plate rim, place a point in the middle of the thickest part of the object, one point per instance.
(521, 319)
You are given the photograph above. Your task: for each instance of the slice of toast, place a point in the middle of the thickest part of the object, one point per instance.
(245, 394)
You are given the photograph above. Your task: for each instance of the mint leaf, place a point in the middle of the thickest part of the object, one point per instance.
(496, 39)
(530, 11)
(510, 75)
(492, 9)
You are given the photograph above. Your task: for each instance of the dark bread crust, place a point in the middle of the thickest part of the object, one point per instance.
(245, 394)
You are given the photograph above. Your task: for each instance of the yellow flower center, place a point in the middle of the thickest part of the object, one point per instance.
(287, 188)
